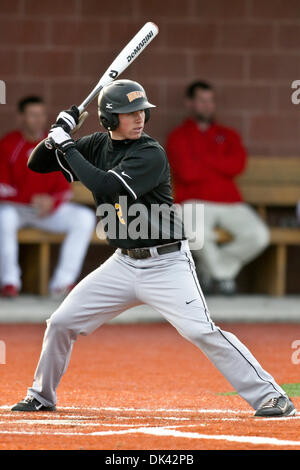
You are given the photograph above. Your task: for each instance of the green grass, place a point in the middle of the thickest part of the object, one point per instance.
(293, 390)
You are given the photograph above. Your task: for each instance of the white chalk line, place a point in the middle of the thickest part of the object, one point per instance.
(146, 410)
(66, 422)
(283, 418)
(63, 422)
(86, 418)
(165, 432)
(131, 418)
(162, 418)
(47, 415)
(169, 431)
(164, 410)
(77, 420)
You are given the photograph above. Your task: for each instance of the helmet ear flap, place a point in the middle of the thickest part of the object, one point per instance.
(111, 122)
(104, 122)
(147, 114)
(114, 122)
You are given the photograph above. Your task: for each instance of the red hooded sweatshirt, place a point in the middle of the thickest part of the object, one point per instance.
(204, 163)
(18, 183)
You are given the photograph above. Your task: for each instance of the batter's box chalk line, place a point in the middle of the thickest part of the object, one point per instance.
(82, 421)
(146, 410)
(165, 432)
(149, 410)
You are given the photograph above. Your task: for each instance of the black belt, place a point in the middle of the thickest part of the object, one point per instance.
(140, 253)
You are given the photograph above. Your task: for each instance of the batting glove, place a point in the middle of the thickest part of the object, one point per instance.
(68, 119)
(60, 139)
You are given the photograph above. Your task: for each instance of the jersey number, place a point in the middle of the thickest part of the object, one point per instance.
(119, 213)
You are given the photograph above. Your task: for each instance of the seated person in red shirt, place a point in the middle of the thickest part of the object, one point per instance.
(205, 157)
(37, 200)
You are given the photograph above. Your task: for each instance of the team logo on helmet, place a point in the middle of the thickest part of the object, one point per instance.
(108, 105)
(133, 95)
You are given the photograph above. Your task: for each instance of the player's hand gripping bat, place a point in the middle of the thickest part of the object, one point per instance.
(130, 52)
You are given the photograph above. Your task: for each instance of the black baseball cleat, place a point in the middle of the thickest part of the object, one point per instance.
(31, 404)
(277, 407)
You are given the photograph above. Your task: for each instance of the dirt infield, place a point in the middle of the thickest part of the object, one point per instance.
(144, 387)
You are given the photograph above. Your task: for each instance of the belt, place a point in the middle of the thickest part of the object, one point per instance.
(141, 253)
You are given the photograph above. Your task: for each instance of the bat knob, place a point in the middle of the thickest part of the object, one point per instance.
(49, 144)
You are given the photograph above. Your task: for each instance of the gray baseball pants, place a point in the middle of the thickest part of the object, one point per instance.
(168, 283)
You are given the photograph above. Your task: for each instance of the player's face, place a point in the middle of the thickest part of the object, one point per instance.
(203, 105)
(34, 119)
(131, 125)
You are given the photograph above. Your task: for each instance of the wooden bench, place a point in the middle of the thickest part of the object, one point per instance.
(36, 257)
(268, 182)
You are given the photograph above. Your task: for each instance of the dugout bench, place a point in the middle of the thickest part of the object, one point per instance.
(268, 182)
(36, 258)
(271, 182)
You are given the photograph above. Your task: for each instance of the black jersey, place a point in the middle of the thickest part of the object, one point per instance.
(141, 212)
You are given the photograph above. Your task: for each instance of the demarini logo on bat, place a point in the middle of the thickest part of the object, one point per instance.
(139, 46)
(113, 74)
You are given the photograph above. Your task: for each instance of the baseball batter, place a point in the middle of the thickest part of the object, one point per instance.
(125, 164)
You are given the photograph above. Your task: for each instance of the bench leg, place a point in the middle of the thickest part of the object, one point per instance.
(43, 266)
(35, 262)
(271, 271)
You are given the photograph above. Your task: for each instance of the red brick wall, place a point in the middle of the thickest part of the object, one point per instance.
(250, 49)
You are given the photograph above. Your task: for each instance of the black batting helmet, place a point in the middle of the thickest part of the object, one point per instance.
(121, 96)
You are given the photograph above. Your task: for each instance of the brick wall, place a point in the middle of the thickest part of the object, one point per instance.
(248, 48)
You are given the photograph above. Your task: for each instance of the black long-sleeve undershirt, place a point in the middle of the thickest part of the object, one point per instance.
(43, 160)
(98, 181)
